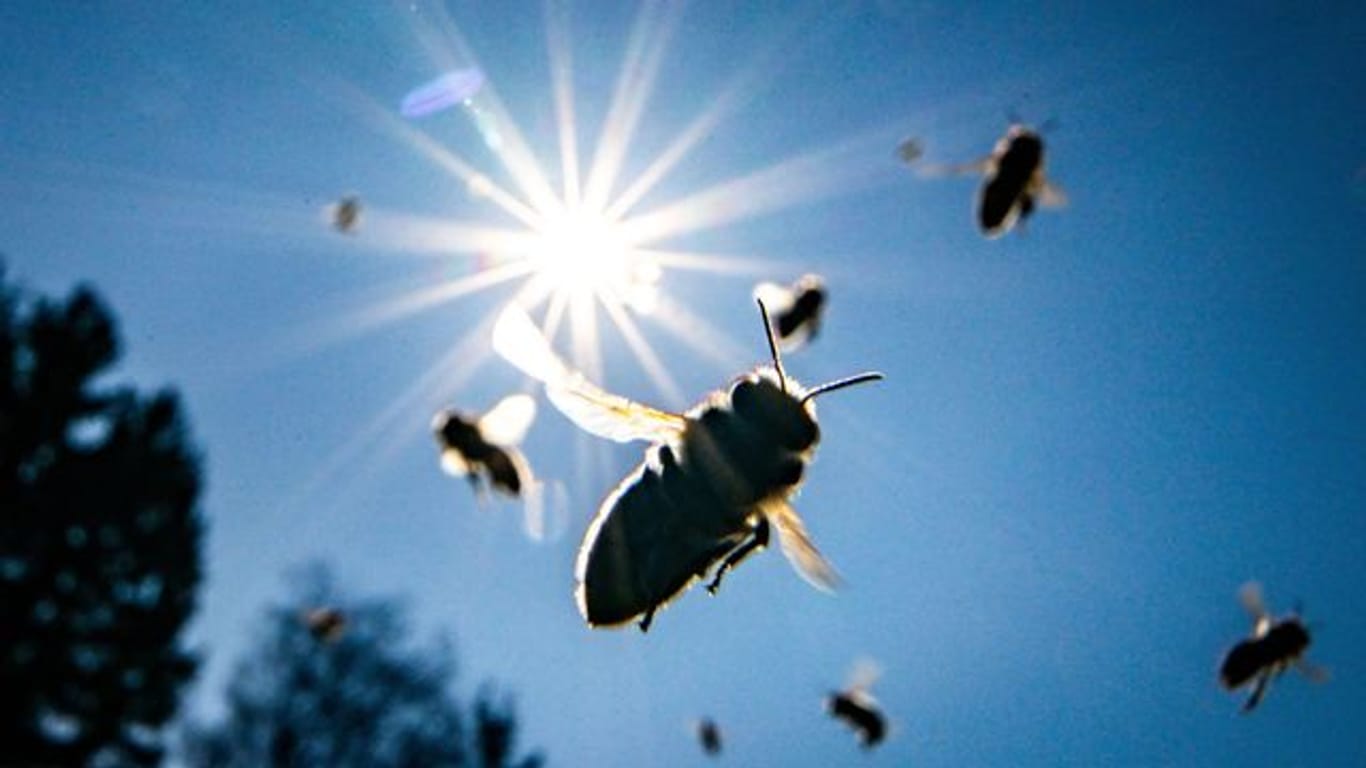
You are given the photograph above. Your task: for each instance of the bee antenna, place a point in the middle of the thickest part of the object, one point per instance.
(848, 381)
(773, 346)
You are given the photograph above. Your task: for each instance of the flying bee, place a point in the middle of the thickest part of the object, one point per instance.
(1014, 181)
(910, 150)
(485, 447)
(345, 214)
(858, 709)
(484, 450)
(1274, 647)
(714, 481)
(796, 310)
(326, 625)
(709, 736)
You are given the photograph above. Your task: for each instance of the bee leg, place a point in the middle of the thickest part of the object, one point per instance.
(758, 540)
(1258, 692)
(644, 623)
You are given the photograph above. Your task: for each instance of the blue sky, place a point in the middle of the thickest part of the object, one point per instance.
(1091, 432)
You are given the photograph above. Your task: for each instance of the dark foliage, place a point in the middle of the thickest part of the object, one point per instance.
(360, 696)
(99, 543)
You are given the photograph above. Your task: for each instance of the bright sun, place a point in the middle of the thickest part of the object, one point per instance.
(585, 254)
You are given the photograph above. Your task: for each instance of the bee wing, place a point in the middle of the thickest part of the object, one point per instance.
(777, 299)
(981, 166)
(1312, 672)
(798, 548)
(614, 417)
(1250, 595)
(454, 463)
(1050, 195)
(865, 672)
(517, 340)
(507, 422)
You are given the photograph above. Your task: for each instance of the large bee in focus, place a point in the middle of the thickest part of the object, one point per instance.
(796, 310)
(1274, 647)
(714, 481)
(1014, 181)
(858, 709)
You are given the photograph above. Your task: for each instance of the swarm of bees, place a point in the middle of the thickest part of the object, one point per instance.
(716, 482)
(1274, 646)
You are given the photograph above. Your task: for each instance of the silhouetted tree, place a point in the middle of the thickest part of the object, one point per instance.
(350, 691)
(99, 543)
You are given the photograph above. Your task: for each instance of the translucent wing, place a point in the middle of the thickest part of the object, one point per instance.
(985, 165)
(453, 463)
(507, 422)
(799, 549)
(865, 672)
(517, 340)
(777, 299)
(1050, 195)
(606, 415)
(1250, 596)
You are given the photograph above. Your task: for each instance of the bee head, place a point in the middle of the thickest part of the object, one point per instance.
(452, 428)
(781, 376)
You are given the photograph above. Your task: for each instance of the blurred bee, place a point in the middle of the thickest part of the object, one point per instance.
(326, 625)
(858, 709)
(1274, 647)
(484, 447)
(796, 311)
(1014, 181)
(713, 482)
(709, 736)
(346, 214)
(910, 150)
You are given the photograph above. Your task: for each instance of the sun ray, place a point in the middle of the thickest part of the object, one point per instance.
(644, 355)
(583, 327)
(701, 336)
(801, 179)
(384, 119)
(449, 373)
(562, 90)
(761, 68)
(500, 132)
(554, 314)
(713, 262)
(645, 50)
(316, 337)
(404, 232)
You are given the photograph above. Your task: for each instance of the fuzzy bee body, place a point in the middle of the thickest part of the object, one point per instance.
(1273, 648)
(860, 712)
(796, 310)
(346, 214)
(739, 454)
(1008, 193)
(709, 736)
(713, 484)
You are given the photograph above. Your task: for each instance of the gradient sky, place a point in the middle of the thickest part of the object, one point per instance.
(1091, 433)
